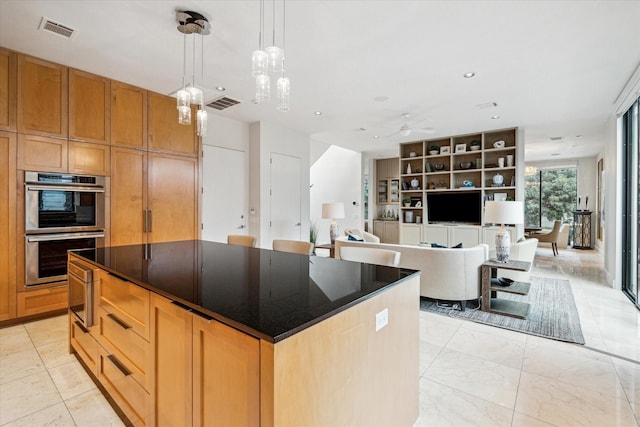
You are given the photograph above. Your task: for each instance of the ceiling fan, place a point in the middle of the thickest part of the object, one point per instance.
(406, 130)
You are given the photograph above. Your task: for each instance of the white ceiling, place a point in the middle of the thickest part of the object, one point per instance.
(554, 68)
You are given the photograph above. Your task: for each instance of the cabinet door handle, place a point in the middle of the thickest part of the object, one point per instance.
(81, 327)
(118, 365)
(145, 220)
(122, 324)
(150, 220)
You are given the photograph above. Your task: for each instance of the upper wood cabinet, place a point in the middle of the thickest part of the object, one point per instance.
(128, 196)
(8, 92)
(89, 107)
(8, 225)
(165, 133)
(128, 115)
(39, 153)
(87, 158)
(42, 97)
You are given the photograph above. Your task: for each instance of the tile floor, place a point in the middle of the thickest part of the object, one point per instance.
(470, 374)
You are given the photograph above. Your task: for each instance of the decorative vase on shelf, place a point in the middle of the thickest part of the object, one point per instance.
(498, 179)
(408, 168)
(415, 183)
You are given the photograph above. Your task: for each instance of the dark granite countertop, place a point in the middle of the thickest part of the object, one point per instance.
(268, 294)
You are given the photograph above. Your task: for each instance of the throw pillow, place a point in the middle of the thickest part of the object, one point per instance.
(436, 245)
(355, 238)
(458, 246)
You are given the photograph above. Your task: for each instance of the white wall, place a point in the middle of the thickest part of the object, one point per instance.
(336, 176)
(264, 139)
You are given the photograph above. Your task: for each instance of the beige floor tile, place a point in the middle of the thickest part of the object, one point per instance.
(92, 409)
(27, 395)
(71, 379)
(481, 378)
(53, 416)
(522, 420)
(436, 332)
(494, 330)
(629, 375)
(443, 406)
(48, 330)
(636, 410)
(55, 353)
(428, 353)
(14, 339)
(596, 375)
(493, 347)
(568, 405)
(20, 364)
(565, 348)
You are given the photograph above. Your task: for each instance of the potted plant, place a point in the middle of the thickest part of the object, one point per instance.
(475, 145)
(434, 149)
(406, 203)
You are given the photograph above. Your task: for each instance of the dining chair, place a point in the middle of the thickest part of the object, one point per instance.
(370, 255)
(241, 240)
(293, 246)
(550, 237)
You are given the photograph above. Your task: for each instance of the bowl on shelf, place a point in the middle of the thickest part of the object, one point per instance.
(413, 154)
(466, 165)
(434, 152)
(439, 167)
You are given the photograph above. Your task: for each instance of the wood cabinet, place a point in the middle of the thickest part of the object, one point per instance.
(171, 329)
(41, 153)
(8, 224)
(87, 158)
(128, 116)
(42, 300)
(165, 133)
(387, 231)
(89, 107)
(42, 97)
(154, 197)
(215, 378)
(8, 89)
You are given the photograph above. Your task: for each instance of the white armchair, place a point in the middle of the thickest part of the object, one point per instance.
(357, 233)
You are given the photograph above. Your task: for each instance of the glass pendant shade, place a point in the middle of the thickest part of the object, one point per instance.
(201, 123)
(263, 88)
(184, 115)
(183, 98)
(284, 89)
(276, 57)
(259, 63)
(195, 94)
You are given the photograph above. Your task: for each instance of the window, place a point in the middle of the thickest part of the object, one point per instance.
(550, 194)
(631, 201)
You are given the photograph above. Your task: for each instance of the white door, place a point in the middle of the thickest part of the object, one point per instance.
(224, 198)
(286, 210)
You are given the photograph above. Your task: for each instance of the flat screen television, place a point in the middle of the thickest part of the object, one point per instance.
(464, 207)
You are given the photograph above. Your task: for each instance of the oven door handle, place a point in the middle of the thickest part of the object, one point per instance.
(63, 236)
(64, 188)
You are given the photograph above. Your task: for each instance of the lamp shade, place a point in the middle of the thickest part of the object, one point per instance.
(504, 212)
(333, 210)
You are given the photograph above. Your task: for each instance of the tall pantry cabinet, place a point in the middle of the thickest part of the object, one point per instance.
(154, 194)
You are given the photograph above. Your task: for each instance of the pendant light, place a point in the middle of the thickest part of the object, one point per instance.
(195, 24)
(271, 60)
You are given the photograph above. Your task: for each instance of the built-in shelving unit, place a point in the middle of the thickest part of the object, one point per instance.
(461, 163)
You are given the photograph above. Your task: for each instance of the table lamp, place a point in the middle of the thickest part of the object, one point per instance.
(503, 212)
(332, 211)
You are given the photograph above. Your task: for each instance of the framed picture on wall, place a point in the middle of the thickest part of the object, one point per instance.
(445, 150)
(461, 148)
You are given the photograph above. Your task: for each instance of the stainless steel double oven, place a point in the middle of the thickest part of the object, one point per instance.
(62, 212)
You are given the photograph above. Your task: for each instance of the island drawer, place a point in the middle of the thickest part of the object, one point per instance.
(127, 301)
(84, 344)
(131, 349)
(130, 397)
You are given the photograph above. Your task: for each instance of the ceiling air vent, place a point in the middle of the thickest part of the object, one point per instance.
(54, 27)
(222, 103)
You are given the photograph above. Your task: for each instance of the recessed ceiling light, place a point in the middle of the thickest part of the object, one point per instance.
(469, 75)
(495, 117)
(317, 113)
(578, 136)
(375, 137)
(362, 129)
(220, 88)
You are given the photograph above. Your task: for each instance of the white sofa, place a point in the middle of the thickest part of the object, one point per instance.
(447, 274)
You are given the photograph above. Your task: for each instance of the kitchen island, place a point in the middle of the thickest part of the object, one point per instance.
(203, 333)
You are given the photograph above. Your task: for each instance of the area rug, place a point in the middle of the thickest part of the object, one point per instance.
(553, 313)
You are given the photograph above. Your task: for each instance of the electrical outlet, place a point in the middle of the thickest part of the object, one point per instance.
(382, 319)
